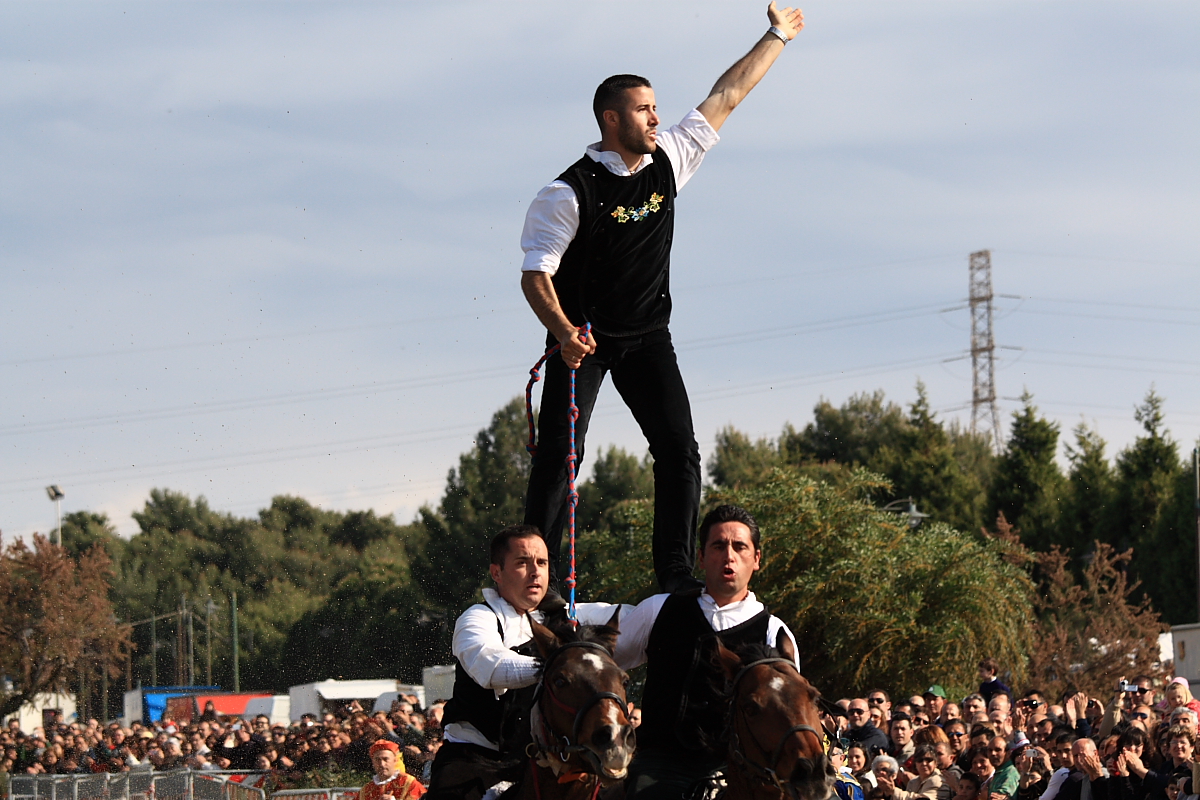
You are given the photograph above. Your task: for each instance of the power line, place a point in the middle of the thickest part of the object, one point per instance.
(460, 376)
(341, 447)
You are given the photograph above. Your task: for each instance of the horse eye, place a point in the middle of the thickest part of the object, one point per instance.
(559, 681)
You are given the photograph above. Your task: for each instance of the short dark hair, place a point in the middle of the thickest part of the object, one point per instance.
(612, 91)
(499, 547)
(886, 696)
(729, 513)
(990, 665)
(925, 750)
(1132, 737)
(971, 778)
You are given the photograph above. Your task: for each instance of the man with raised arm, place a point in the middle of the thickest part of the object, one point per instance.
(597, 245)
(486, 722)
(683, 711)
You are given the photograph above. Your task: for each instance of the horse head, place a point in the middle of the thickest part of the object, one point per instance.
(580, 720)
(776, 740)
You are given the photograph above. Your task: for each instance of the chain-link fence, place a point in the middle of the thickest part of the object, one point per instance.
(182, 784)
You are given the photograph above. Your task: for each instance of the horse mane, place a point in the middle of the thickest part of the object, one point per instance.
(556, 619)
(756, 651)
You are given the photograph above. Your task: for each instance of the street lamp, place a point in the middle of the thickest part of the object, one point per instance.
(914, 516)
(56, 494)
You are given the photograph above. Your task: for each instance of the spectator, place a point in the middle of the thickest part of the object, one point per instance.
(884, 770)
(1087, 778)
(956, 733)
(990, 684)
(928, 783)
(968, 787)
(863, 731)
(1062, 760)
(1179, 694)
(935, 701)
(982, 767)
(900, 732)
(858, 763)
(951, 772)
(1005, 781)
(391, 781)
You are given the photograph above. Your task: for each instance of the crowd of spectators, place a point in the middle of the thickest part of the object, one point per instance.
(216, 742)
(1137, 744)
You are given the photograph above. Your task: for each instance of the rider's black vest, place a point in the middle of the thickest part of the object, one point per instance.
(683, 704)
(616, 272)
(503, 720)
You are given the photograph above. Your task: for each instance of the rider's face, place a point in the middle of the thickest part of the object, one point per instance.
(729, 558)
(525, 574)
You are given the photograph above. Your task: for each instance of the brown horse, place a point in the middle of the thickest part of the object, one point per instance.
(582, 739)
(776, 740)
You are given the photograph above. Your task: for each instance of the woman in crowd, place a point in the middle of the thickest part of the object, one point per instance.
(1126, 783)
(856, 760)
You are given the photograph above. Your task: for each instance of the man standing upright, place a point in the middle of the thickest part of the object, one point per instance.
(597, 245)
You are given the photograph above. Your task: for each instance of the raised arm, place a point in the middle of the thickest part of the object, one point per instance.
(732, 87)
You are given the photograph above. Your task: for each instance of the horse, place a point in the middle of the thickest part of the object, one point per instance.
(582, 739)
(776, 743)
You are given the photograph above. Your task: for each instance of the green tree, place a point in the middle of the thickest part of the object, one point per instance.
(83, 529)
(617, 476)
(484, 494)
(852, 434)
(1147, 478)
(738, 460)
(924, 464)
(872, 602)
(1028, 484)
(1088, 495)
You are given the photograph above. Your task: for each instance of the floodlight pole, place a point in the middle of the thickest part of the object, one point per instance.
(56, 494)
(1196, 478)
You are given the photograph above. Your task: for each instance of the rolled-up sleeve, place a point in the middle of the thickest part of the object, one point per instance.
(480, 649)
(686, 143)
(550, 226)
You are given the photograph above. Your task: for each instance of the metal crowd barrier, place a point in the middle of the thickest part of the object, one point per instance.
(141, 784)
(331, 793)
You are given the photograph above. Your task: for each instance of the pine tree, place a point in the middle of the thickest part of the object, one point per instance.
(1028, 486)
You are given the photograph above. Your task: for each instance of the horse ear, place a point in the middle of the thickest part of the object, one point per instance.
(614, 621)
(783, 643)
(543, 637)
(728, 660)
(607, 633)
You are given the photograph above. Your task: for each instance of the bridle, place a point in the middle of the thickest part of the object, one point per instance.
(545, 740)
(766, 773)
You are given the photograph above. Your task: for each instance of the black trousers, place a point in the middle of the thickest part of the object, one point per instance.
(645, 372)
(463, 771)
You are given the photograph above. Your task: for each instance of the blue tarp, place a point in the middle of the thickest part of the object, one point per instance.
(154, 698)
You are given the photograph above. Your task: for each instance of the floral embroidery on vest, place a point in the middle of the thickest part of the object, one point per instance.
(623, 214)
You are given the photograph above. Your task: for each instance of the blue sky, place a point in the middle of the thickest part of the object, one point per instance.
(261, 248)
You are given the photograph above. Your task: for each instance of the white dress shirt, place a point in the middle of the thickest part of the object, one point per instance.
(1057, 779)
(484, 650)
(553, 216)
(636, 624)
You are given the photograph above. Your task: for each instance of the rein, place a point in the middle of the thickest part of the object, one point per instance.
(572, 458)
(765, 773)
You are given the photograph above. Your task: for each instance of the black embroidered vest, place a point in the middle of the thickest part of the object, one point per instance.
(503, 720)
(616, 272)
(682, 705)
